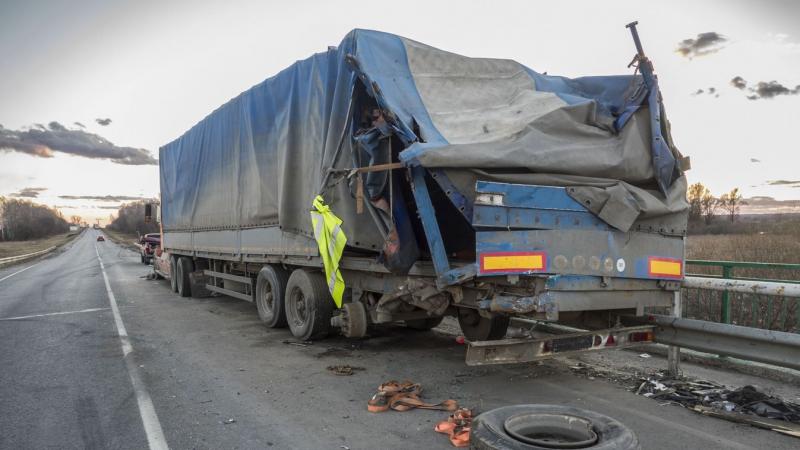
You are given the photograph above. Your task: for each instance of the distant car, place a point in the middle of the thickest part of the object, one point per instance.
(100, 239)
(148, 244)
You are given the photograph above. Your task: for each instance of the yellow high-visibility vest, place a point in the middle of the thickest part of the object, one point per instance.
(331, 241)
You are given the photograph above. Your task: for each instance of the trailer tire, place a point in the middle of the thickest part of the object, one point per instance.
(521, 427)
(425, 324)
(308, 305)
(270, 295)
(185, 267)
(478, 328)
(173, 274)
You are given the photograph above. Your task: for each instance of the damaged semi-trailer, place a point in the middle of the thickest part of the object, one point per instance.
(386, 181)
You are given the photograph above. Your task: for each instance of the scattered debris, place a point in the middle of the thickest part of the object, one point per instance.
(744, 405)
(344, 370)
(338, 352)
(298, 343)
(644, 355)
(229, 421)
(624, 376)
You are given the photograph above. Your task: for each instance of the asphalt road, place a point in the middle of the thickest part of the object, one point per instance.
(204, 373)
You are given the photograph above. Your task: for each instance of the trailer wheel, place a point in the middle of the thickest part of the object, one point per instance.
(185, 267)
(522, 427)
(309, 305)
(355, 320)
(424, 324)
(478, 328)
(173, 273)
(270, 290)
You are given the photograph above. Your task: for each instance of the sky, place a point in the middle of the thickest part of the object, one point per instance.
(155, 68)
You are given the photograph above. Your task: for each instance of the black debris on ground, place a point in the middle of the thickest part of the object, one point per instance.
(710, 398)
(344, 370)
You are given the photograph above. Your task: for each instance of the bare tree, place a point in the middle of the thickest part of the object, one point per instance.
(708, 207)
(130, 219)
(23, 220)
(75, 220)
(731, 202)
(695, 196)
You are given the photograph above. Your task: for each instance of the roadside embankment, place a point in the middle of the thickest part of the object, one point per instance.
(12, 252)
(127, 240)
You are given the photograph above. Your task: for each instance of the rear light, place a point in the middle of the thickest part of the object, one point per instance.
(641, 336)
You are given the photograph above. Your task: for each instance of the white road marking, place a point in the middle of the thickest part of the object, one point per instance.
(54, 314)
(20, 271)
(152, 427)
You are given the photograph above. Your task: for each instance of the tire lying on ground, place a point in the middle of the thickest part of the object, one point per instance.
(534, 427)
(270, 294)
(309, 305)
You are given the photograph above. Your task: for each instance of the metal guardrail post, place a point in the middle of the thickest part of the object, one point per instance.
(725, 312)
(674, 352)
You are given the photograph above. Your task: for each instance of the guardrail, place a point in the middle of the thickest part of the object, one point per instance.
(751, 307)
(749, 343)
(752, 344)
(17, 258)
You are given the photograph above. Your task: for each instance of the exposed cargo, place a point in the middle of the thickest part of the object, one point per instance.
(468, 186)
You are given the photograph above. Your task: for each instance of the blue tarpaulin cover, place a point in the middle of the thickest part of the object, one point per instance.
(260, 159)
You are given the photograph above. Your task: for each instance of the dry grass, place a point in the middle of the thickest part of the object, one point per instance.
(125, 239)
(16, 248)
(775, 313)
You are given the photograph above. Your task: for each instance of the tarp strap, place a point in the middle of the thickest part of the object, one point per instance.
(331, 242)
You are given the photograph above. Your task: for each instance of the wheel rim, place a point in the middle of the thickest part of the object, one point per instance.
(298, 308)
(266, 298)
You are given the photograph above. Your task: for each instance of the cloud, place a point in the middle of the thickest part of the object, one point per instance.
(104, 122)
(101, 198)
(43, 142)
(754, 160)
(703, 44)
(738, 82)
(29, 192)
(770, 89)
(78, 124)
(783, 182)
(711, 91)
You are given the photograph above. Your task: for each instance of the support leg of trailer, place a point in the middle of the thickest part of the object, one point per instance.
(674, 352)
